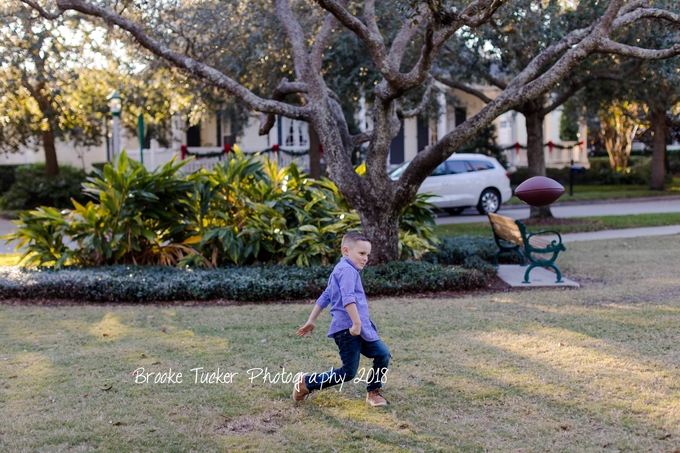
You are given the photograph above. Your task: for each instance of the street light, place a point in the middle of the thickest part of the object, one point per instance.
(115, 106)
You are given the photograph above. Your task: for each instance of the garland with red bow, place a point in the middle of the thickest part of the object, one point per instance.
(184, 152)
(550, 146)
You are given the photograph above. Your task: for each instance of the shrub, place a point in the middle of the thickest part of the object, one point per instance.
(468, 251)
(674, 162)
(32, 188)
(239, 283)
(7, 177)
(639, 172)
(246, 211)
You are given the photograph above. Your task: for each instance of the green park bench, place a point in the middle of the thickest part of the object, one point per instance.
(512, 236)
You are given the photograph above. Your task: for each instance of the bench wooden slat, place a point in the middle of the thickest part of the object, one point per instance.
(538, 242)
(506, 229)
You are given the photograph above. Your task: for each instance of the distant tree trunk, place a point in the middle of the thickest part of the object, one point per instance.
(51, 164)
(314, 154)
(535, 156)
(659, 127)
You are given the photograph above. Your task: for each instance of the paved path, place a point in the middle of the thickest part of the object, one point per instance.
(621, 234)
(608, 207)
(6, 227)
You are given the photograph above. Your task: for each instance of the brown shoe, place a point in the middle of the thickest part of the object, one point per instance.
(300, 390)
(375, 398)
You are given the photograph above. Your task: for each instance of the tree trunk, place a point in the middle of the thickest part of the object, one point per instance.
(51, 164)
(381, 226)
(536, 157)
(314, 154)
(659, 149)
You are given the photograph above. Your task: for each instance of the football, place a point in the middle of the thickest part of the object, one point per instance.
(539, 191)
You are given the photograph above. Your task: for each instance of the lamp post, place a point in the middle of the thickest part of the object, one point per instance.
(115, 105)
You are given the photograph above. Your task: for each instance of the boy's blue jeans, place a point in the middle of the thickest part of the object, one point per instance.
(351, 347)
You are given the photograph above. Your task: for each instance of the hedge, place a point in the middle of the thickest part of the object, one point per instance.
(7, 177)
(639, 173)
(252, 284)
(470, 251)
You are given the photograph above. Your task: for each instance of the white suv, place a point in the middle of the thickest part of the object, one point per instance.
(466, 180)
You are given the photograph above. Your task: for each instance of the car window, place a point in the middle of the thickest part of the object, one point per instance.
(396, 173)
(480, 165)
(456, 166)
(440, 170)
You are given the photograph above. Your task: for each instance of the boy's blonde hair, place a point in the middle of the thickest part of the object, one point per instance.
(352, 238)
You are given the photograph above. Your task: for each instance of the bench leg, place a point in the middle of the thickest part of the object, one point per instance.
(557, 271)
(526, 274)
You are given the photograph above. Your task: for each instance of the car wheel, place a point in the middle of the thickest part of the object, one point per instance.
(454, 211)
(489, 201)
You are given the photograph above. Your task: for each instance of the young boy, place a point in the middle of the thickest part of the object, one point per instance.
(351, 327)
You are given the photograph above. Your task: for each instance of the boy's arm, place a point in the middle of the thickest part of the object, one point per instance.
(354, 316)
(308, 328)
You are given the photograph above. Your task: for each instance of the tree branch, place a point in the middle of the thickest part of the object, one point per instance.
(316, 55)
(212, 75)
(373, 41)
(42, 12)
(296, 36)
(369, 17)
(402, 40)
(471, 14)
(423, 103)
(464, 88)
(361, 138)
(283, 89)
(608, 46)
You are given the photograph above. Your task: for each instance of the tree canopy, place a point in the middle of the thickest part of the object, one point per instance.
(55, 77)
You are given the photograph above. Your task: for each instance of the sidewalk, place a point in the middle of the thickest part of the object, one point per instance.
(605, 201)
(622, 233)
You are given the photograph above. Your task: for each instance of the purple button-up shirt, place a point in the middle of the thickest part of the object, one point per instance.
(344, 287)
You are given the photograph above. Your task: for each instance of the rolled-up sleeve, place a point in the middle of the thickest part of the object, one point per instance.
(347, 281)
(324, 299)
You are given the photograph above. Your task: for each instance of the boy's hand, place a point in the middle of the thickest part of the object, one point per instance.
(307, 329)
(355, 330)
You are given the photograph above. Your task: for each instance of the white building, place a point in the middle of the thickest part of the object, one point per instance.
(291, 135)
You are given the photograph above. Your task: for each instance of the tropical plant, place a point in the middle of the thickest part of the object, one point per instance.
(246, 210)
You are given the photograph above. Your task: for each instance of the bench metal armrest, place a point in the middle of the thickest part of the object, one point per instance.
(553, 247)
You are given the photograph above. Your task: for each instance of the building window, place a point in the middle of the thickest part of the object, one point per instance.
(290, 137)
(302, 134)
(460, 115)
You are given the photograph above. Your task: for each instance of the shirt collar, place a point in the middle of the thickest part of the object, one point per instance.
(349, 261)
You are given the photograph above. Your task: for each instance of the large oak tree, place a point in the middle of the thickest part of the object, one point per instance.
(306, 29)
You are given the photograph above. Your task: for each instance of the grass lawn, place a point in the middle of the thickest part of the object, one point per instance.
(594, 369)
(593, 192)
(588, 224)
